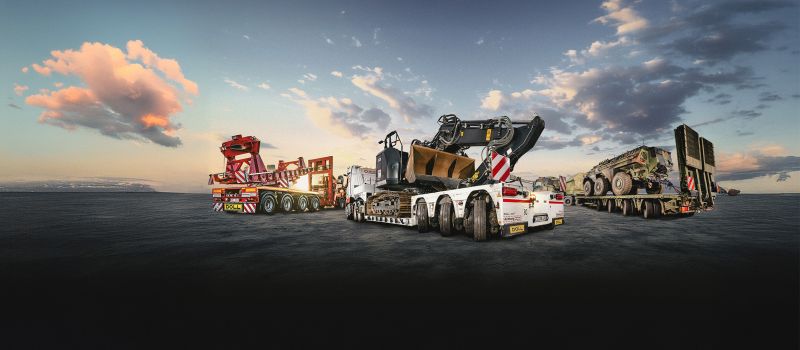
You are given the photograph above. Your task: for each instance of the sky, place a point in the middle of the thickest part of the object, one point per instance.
(147, 91)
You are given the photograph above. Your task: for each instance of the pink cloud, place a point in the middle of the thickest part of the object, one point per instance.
(20, 89)
(121, 98)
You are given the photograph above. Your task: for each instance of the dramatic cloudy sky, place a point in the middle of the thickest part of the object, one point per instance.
(148, 90)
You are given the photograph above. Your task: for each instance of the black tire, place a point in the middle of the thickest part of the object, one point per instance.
(654, 188)
(648, 212)
(621, 184)
(340, 203)
(479, 219)
(314, 204)
(348, 211)
(361, 211)
(568, 201)
(601, 186)
(268, 204)
(423, 225)
(446, 217)
(588, 187)
(656, 208)
(302, 203)
(600, 206)
(287, 204)
(611, 206)
(627, 207)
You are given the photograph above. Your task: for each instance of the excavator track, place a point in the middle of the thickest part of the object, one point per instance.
(392, 203)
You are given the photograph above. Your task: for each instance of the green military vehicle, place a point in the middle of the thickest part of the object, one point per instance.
(642, 167)
(648, 167)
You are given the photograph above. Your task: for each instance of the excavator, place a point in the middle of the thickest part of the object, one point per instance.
(438, 174)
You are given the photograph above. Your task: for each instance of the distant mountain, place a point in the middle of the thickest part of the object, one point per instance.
(75, 186)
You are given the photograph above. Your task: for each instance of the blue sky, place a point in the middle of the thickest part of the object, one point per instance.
(313, 79)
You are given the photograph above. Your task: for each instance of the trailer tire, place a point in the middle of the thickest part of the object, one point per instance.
(423, 225)
(611, 206)
(627, 207)
(601, 186)
(315, 205)
(287, 203)
(648, 211)
(621, 184)
(568, 200)
(600, 206)
(479, 220)
(588, 187)
(268, 203)
(657, 208)
(446, 217)
(360, 211)
(348, 211)
(302, 203)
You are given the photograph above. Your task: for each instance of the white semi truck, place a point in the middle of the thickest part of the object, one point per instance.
(436, 186)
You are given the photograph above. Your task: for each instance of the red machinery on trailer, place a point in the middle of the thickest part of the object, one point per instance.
(251, 187)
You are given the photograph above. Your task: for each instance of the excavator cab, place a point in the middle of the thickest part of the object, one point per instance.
(390, 162)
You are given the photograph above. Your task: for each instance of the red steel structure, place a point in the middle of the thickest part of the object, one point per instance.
(251, 187)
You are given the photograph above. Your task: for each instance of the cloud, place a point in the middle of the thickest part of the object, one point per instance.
(24, 69)
(20, 89)
(341, 115)
(337, 74)
(246, 37)
(124, 96)
(642, 100)
(759, 162)
(718, 32)
(625, 19)
(236, 85)
(720, 99)
(480, 41)
(264, 86)
(328, 40)
(375, 33)
(266, 145)
(309, 77)
(12, 105)
(372, 83)
(769, 97)
(356, 42)
(519, 105)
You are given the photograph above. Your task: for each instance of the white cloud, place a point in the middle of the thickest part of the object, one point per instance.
(492, 100)
(328, 40)
(247, 37)
(356, 42)
(480, 41)
(310, 77)
(341, 115)
(626, 19)
(372, 83)
(236, 85)
(337, 74)
(20, 89)
(264, 86)
(24, 69)
(375, 36)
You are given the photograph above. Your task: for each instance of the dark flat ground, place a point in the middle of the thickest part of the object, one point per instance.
(108, 270)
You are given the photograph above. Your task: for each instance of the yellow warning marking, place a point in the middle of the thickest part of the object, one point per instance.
(488, 134)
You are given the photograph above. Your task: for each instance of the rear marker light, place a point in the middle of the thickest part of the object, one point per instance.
(509, 191)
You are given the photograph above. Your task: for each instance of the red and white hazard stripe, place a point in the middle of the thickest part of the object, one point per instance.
(563, 183)
(249, 208)
(690, 183)
(501, 167)
(241, 176)
(217, 206)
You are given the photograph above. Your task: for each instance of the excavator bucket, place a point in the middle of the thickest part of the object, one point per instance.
(427, 165)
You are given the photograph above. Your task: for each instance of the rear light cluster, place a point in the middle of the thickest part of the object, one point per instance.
(509, 191)
(559, 197)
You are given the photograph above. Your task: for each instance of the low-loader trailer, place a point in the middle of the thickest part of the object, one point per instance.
(696, 167)
(248, 186)
(435, 186)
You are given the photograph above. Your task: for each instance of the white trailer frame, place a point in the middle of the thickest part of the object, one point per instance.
(533, 209)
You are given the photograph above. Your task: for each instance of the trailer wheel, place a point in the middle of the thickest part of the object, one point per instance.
(446, 217)
(601, 186)
(649, 210)
(268, 203)
(621, 184)
(302, 203)
(568, 200)
(656, 208)
(361, 211)
(627, 207)
(314, 203)
(422, 217)
(479, 220)
(348, 211)
(588, 187)
(611, 206)
(600, 205)
(286, 203)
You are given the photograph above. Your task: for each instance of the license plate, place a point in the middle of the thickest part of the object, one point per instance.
(558, 221)
(516, 229)
(233, 207)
